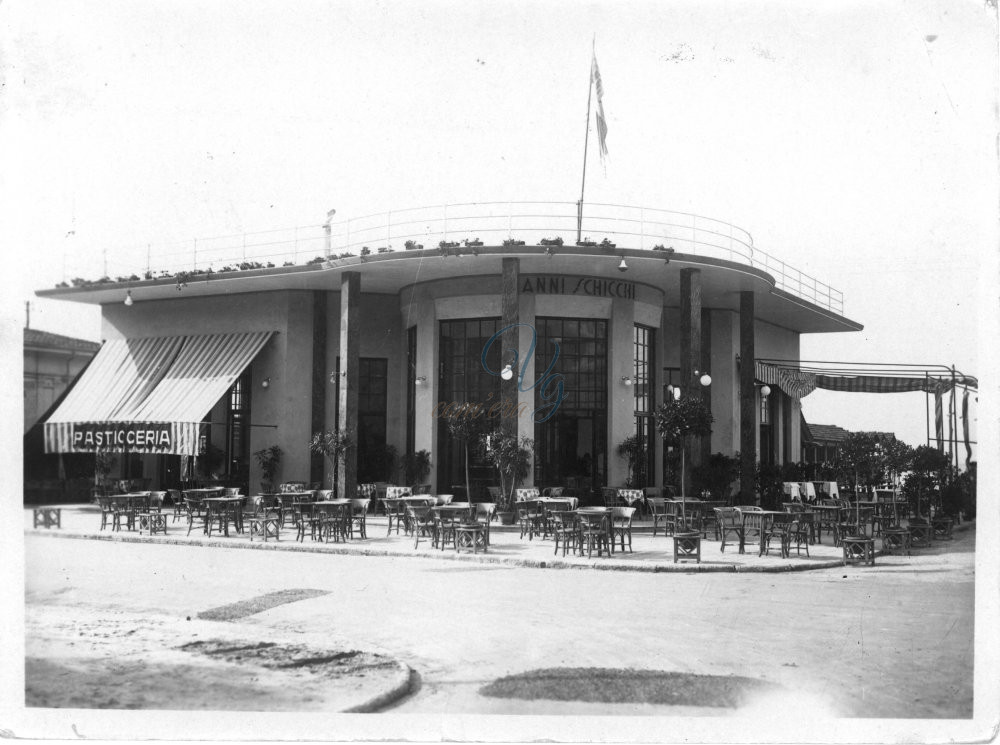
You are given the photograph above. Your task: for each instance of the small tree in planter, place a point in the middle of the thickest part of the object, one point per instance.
(332, 445)
(416, 466)
(512, 459)
(104, 462)
(633, 450)
(468, 430)
(677, 420)
(268, 459)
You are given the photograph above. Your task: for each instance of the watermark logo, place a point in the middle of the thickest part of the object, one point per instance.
(551, 386)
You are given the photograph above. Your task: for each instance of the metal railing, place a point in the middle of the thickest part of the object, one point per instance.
(491, 223)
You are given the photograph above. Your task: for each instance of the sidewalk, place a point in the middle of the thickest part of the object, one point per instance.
(649, 553)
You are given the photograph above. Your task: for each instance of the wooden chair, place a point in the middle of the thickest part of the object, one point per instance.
(753, 525)
(529, 517)
(194, 513)
(730, 523)
(421, 521)
(621, 525)
(485, 512)
(777, 528)
(358, 511)
(564, 531)
(107, 512)
(658, 511)
(593, 531)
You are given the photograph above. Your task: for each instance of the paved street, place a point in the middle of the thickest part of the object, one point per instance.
(890, 641)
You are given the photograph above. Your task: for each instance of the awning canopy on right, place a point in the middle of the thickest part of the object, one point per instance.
(798, 382)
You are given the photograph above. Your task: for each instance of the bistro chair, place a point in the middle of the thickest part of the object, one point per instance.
(174, 495)
(333, 521)
(593, 531)
(422, 522)
(564, 531)
(445, 522)
(730, 523)
(754, 522)
(621, 525)
(265, 521)
(800, 533)
(307, 517)
(550, 510)
(193, 511)
(779, 529)
(156, 501)
(358, 510)
(658, 511)
(485, 512)
(107, 511)
(529, 517)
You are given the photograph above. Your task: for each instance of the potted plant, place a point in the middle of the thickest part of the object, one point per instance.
(557, 241)
(416, 467)
(633, 450)
(512, 459)
(512, 242)
(679, 419)
(268, 459)
(412, 246)
(467, 430)
(332, 445)
(103, 463)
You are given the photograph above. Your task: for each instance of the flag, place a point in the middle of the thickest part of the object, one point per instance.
(602, 124)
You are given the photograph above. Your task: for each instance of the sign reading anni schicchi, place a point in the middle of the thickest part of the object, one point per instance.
(118, 436)
(586, 286)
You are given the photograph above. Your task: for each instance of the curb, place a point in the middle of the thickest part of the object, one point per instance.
(655, 568)
(401, 689)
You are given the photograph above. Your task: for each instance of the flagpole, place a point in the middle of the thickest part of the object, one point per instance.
(586, 137)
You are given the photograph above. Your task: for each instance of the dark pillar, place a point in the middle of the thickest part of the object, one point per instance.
(706, 366)
(509, 317)
(690, 297)
(748, 400)
(350, 347)
(320, 380)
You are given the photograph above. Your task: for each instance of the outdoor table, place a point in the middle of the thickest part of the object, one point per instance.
(128, 505)
(220, 507)
(630, 496)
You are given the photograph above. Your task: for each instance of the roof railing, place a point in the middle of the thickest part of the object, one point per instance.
(642, 228)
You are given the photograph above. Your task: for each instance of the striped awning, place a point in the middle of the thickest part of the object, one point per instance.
(149, 395)
(799, 383)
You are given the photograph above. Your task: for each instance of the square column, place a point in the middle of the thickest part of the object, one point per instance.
(509, 315)
(350, 348)
(690, 335)
(748, 399)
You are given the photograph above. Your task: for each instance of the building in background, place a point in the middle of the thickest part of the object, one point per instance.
(51, 363)
(241, 354)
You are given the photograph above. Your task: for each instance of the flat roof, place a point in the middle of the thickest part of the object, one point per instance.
(722, 281)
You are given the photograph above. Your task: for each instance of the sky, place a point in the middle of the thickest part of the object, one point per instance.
(856, 141)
